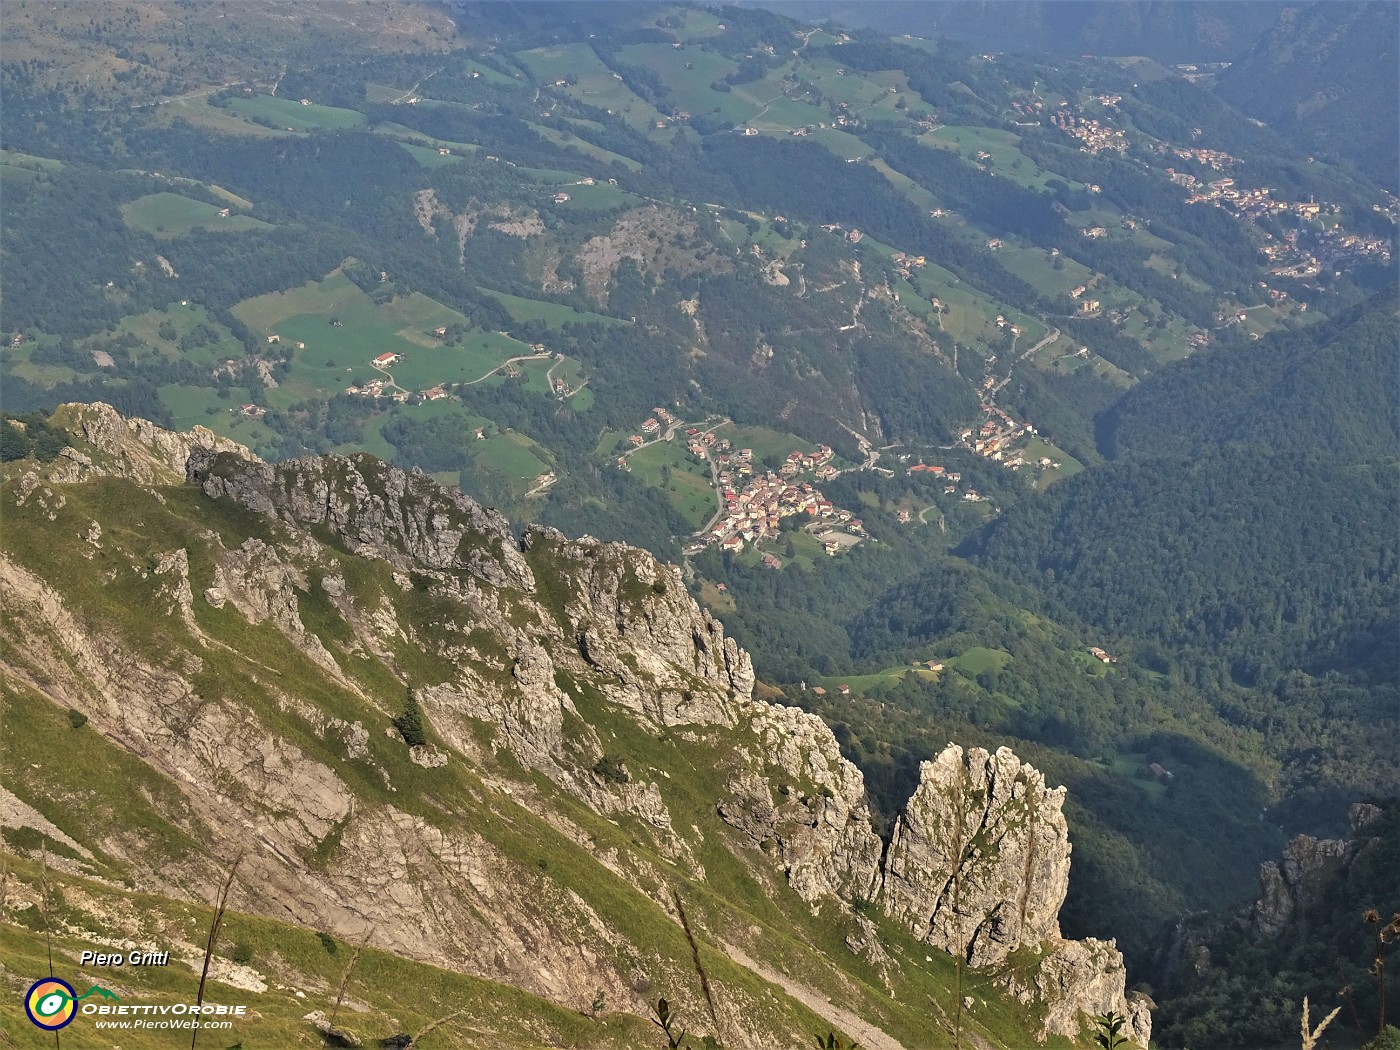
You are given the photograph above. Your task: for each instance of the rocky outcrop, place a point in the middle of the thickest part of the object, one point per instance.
(812, 817)
(979, 866)
(407, 519)
(132, 448)
(263, 585)
(634, 623)
(1289, 885)
(1075, 980)
(979, 862)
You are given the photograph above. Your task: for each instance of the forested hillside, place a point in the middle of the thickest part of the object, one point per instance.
(1325, 73)
(1245, 532)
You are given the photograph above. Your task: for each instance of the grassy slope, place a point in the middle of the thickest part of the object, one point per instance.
(86, 788)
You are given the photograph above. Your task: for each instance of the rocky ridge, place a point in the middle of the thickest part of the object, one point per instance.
(538, 646)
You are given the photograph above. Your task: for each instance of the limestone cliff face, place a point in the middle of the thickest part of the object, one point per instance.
(132, 448)
(812, 818)
(379, 510)
(574, 659)
(979, 863)
(1289, 885)
(979, 866)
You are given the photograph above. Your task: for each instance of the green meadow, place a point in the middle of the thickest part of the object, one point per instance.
(171, 215)
(290, 113)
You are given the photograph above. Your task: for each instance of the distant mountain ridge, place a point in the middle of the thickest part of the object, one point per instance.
(1326, 73)
(1167, 30)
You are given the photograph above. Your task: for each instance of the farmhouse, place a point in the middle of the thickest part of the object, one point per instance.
(384, 360)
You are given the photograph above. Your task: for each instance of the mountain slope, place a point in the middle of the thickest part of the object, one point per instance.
(1256, 548)
(1326, 74)
(481, 752)
(1173, 31)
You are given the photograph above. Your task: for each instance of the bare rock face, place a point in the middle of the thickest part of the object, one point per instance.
(1290, 885)
(407, 519)
(634, 622)
(814, 820)
(979, 863)
(139, 449)
(1078, 979)
(262, 585)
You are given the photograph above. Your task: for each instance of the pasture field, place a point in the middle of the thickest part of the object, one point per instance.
(851, 88)
(1069, 466)
(1133, 767)
(979, 660)
(535, 375)
(842, 143)
(555, 315)
(688, 73)
(590, 81)
(509, 453)
(967, 313)
(783, 114)
(907, 186)
(425, 367)
(686, 483)
(1006, 158)
(336, 356)
(200, 112)
(568, 140)
(290, 113)
(192, 406)
(1034, 267)
(598, 197)
(168, 215)
(429, 157)
(375, 443)
(763, 441)
(861, 683)
(146, 327)
(27, 162)
(405, 134)
(19, 362)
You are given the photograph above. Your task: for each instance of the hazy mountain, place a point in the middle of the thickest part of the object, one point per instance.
(1169, 31)
(1326, 73)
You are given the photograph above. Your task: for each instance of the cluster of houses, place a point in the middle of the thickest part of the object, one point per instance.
(755, 504)
(950, 478)
(1211, 158)
(904, 263)
(997, 439)
(376, 388)
(1086, 306)
(838, 123)
(651, 426)
(1101, 656)
(1093, 135)
(753, 511)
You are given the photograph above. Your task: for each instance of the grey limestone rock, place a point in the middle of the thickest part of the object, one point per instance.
(979, 863)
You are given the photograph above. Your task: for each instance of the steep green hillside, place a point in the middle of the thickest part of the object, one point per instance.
(1254, 550)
